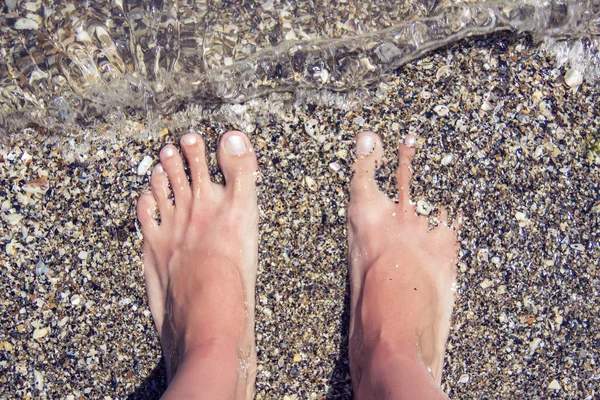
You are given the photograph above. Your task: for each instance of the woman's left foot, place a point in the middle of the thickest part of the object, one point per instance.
(200, 263)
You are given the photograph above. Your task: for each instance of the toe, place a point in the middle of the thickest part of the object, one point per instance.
(146, 207)
(160, 188)
(443, 216)
(173, 164)
(237, 160)
(195, 153)
(369, 152)
(404, 173)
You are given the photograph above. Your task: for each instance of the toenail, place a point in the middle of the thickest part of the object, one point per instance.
(168, 151)
(190, 139)
(159, 169)
(235, 144)
(410, 140)
(365, 144)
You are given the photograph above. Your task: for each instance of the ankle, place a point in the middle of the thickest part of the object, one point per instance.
(396, 367)
(214, 361)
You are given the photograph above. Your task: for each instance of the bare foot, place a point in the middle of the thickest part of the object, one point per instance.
(402, 283)
(200, 266)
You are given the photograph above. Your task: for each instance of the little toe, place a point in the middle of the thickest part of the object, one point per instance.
(195, 153)
(404, 173)
(369, 152)
(237, 160)
(160, 188)
(173, 164)
(146, 207)
(443, 216)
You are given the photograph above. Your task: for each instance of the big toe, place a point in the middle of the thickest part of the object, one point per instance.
(369, 152)
(237, 160)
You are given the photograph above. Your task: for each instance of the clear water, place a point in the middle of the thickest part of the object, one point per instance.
(63, 63)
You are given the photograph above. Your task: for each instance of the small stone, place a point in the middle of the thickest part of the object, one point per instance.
(335, 166)
(387, 52)
(267, 5)
(75, 300)
(464, 378)
(297, 357)
(534, 344)
(26, 23)
(395, 127)
(163, 132)
(522, 219)
(310, 182)
(447, 160)
(578, 247)
(38, 379)
(268, 312)
(26, 157)
(40, 268)
(144, 165)
(13, 219)
(486, 283)
(83, 255)
(554, 385)
(10, 4)
(423, 207)
(441, 110)
(573, 78)
(40, 333)
(486, 106)
(311, 127)
(37, 186)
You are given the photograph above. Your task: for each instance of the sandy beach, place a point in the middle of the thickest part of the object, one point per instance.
(501, 137)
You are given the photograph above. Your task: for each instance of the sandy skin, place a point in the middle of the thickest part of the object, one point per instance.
(200, 265)
(402, 282)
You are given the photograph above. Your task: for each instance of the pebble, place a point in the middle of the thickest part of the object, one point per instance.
(335, 166)
(522, 219)
(441, 110)
(486, 284)
(464, 378)
(38, 379)
(447, 160)
(144, 165)
(10, 4)
(423, 207)
(554, 385)
(75, 300)
(311, 127)
(13, 219)
(83, 255)
(534, 344)
(40, 333)
(310, 182)
(41, 268)
(26, 23)
(573, 78)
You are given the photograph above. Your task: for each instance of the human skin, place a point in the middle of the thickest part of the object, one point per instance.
(200, 265)
(402, 278)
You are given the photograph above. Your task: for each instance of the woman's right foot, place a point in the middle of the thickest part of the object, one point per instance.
(402, 283)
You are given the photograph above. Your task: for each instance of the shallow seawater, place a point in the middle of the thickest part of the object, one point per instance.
(65, 64)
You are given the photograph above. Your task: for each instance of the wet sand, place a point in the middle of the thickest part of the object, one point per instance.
(501, 137)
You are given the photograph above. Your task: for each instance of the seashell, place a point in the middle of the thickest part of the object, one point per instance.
(37, 186)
